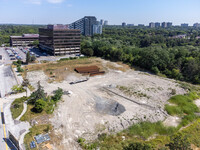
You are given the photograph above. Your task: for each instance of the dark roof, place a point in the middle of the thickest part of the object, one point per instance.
(87, 69)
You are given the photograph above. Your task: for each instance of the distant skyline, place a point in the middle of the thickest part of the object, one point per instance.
(115, 11)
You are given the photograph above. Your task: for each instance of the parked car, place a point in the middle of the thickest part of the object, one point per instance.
(32, 53)
(12, 58)
(82, 55)
(18, 57)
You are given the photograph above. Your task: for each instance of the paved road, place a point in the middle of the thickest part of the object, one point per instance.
(5, 57)
(3, 135)
(7, 80)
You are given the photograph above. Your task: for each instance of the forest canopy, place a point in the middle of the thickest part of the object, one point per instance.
(160, 51)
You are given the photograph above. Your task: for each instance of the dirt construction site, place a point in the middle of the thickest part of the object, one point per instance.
(105, 103)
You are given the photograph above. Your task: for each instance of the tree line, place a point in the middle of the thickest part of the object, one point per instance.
(6, 30)
(153, 49)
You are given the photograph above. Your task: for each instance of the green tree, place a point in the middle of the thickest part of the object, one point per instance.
(25, 83)
(39, 105)
(38, 94)
(179, 142)
(17, 89)
(87, 51)
(19, 69)
(35, 43)
(58, 94)
(33, 58)
(28, 57)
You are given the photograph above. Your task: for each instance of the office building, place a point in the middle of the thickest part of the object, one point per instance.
(164, 24)
(152, 25)
(157, 24)
(97, 23)
(130, 25)
(169, 24)
(101, 22)
(85, 25)
(24, 40)
(105, 23)
(123, 24)
(184, 25)
(97, 29)
(59, 40)
(140, 25)
(196, 25)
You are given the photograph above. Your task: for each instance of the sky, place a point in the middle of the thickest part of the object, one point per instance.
(115, 11)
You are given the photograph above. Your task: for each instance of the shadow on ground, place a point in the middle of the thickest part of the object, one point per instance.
(10, 144)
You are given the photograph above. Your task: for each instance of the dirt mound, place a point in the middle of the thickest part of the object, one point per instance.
(110, 107)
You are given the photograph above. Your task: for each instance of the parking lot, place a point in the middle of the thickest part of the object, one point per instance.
(7, 79)
(10, 54)
(5, 57)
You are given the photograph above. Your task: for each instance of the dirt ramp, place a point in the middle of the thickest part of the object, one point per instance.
(107, 106)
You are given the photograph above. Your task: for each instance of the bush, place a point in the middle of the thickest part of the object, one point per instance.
(57, 94)
(146, 129)
(71, 58)
(17, 63)
(185, 107)
(39, 105)
(179, 142)
(64, 59)
(87, 51)
(33, 58)
(184, 104)
(50, 107)
(81, 141)
(173, 110)
(102, 136)
(138, 146)
(155, 70)
(18, 89)
(187, 119)
(173, 92)
(19, 69)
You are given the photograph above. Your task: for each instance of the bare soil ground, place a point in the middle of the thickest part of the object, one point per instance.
(107, 103)
(197, 102)
(172, 121)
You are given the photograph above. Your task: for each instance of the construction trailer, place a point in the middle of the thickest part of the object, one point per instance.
(89, 70)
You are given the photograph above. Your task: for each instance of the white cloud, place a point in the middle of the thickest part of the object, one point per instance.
(55, 1)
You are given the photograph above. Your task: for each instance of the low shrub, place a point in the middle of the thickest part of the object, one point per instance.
(173, 110)
(18, 89)
(57, 95)
(185, 107)
(138, 146)
(39, 105)
(146, 129)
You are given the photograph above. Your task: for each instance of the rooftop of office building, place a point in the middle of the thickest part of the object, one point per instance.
(26, 36)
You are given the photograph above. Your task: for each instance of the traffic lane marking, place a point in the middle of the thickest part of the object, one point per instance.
(4, 127)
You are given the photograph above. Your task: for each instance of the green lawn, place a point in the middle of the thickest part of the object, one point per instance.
(184, 107)
(17, 107)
